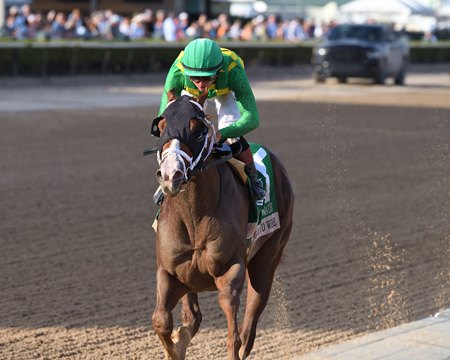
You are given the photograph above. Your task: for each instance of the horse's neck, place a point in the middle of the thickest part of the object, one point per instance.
(201, 195)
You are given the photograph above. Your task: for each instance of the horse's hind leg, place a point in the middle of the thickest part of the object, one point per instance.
(261, 271)
(258, 291)
(169, 291)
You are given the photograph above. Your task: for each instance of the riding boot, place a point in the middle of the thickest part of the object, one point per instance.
(246, 157)
(158, 197)
(257, 185)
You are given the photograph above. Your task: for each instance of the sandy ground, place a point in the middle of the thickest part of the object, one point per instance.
(370, 248)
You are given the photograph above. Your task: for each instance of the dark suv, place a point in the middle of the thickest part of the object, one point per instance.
(370, 50)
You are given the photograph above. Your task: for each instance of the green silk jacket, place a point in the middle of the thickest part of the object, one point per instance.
(231, 77)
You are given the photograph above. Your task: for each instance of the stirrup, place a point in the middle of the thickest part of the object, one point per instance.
(158, 197)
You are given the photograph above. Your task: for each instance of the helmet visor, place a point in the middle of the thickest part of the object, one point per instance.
(201, 72)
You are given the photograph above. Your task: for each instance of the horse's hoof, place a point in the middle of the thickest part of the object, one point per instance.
(166, 355)
(181, 339)
(181, 336)
(242, 353)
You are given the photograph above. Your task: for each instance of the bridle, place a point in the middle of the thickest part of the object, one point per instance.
(192, 160)
(188, 162)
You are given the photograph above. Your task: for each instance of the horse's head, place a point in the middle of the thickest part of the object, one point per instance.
(184, 141)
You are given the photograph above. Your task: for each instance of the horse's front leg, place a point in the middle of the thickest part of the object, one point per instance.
(230, 286)
(169, 291)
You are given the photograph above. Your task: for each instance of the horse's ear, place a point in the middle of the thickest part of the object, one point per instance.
(171, 96)
(162, 125)
(158, 126)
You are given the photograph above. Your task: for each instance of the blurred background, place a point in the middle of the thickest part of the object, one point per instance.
(44, 37)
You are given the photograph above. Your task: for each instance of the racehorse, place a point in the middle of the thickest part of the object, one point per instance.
(201, 236)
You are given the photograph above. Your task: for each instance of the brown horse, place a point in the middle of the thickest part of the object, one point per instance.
(202, 231)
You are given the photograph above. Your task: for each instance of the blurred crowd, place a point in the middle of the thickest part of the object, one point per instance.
(23, 23)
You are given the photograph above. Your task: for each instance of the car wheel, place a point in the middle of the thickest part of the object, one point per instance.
(400, 77)
(319, 78)
(342, 80)
(380, 77)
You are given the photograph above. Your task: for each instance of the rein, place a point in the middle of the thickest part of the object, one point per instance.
(214, 163)
(217, 162)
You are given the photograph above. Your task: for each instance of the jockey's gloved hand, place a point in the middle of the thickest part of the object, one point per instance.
(222, 149)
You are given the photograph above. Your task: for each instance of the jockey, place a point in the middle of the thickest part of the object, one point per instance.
(205, 69)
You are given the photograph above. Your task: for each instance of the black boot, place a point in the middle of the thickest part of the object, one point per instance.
(257, 186)
(158, 197)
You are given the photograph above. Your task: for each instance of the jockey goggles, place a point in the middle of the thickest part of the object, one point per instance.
(203, 78)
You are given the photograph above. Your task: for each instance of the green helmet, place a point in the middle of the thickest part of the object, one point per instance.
(202, 57)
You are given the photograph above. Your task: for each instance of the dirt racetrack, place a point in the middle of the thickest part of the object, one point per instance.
(370, 247)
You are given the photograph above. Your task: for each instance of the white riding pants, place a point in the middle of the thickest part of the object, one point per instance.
(222, 110)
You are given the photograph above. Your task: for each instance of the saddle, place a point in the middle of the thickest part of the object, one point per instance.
(263, 217)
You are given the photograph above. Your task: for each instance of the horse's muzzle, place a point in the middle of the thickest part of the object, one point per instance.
(170, 184)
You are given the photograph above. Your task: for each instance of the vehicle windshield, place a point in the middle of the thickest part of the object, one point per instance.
(364, 33)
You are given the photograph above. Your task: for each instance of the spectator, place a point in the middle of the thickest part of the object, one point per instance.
(318, 30)
(91, 27)
(247, 32)
(34, 30)
(47, 26)
(158, 31)
(10, 24)
(224, 27)
(308, 28)
(10, 29)
(137, 27)
(170, 27)
(125, 27)
(202, 24)
(58, 29)
(282, 25)
(104, 25)
(235, 30)
(193, 31)
(148, 22)
(114, 23)
(21, 24)
(271, 27)
(74, 25)
(210, 29)
(183, 23)
(294, 31)
(328, 28)
(259, 28)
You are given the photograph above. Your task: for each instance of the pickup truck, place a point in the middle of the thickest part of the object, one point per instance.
(373, 51)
